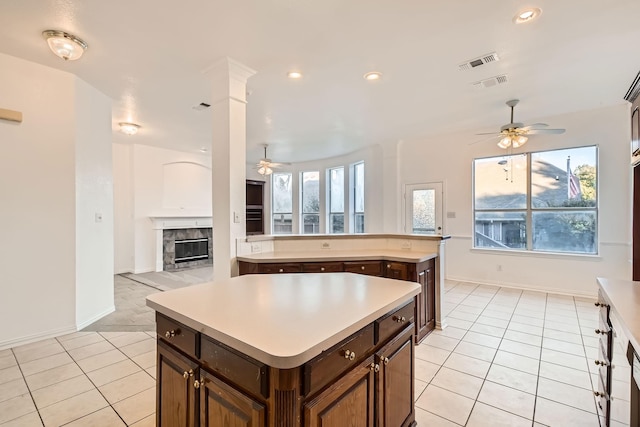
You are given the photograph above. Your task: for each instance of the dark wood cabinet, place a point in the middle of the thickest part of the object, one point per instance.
(175, 394)
(223, 405)
(366, 380)
(254, 215)
(395, 388)
(347, 402)
(422, 272)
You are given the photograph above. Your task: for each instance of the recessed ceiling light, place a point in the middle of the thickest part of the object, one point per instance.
(527, 15)
(294, 74)
(65, 45)
(129, 128)
(373, 75)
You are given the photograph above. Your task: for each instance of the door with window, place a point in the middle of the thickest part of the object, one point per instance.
(423, 208)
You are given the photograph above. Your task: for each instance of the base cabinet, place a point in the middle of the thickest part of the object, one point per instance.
(223, 405)
(366, 380)
(176, 395)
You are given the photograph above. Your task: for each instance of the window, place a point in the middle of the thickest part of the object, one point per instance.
(282, 203)
(310, 202)
(358, 197)
(336, 200)
(544, 201)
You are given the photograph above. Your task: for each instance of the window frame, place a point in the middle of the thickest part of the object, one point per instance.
(354, 192)
(304, 213)
(529, 210)
(330, 210)
(273, 213)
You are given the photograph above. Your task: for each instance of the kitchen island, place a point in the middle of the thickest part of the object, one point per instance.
(332, 349)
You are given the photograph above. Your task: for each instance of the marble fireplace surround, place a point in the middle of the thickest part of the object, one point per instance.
(161, 223)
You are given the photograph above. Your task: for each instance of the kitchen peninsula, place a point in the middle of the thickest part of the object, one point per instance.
(416, 258)
(287, 350)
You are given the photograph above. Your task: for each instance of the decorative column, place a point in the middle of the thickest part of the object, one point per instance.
(228, 153)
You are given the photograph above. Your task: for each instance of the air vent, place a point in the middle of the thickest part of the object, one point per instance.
(491, 81)
(201, 106)
(481, 60)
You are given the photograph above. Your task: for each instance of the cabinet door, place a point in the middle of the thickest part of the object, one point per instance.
(223, 406)
(395, 381)
(425, 302)
(175, 393)
(347, 403)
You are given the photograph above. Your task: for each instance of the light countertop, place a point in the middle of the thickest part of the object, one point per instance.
(329, 255)
(624, 298)
(284, 320)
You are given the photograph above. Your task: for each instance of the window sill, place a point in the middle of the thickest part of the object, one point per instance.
(536, 254)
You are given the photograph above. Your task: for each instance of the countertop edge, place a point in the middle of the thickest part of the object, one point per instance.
(604, 284)
(269, 257)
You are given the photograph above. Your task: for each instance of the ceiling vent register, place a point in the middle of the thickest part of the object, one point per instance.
(491, 82)
(481, 60)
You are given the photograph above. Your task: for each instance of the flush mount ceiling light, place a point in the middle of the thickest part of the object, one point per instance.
(65, 45)
(373, 75)
(527, 15)
(129, 128)
(294, 74)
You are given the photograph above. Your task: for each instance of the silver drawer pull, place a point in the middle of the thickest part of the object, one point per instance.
(374, 367)
(281, 270)
(362, 268)
(399, 319)
(349, 355)
(601, 363)
(321, 268)
(170, 334)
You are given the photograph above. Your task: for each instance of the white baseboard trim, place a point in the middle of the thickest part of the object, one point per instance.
(95, 318)
(144, 270)
(37, 337)
(522, 287)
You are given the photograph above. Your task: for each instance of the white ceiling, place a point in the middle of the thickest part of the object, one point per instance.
(148, 55)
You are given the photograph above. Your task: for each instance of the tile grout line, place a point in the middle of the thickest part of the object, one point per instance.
(544, 323)
(28, 389)
(595, 402)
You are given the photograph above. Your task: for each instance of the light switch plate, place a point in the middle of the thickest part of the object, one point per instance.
(236, 217)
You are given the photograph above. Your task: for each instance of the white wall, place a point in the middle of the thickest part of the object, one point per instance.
(141, 192)
(38, 200)
(94, 205)
(449, 158)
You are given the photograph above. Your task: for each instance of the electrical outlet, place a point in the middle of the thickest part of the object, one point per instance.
(98, 217)
(255, 248)
(236, 217)
(325, 245)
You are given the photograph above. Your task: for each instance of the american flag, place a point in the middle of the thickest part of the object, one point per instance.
(574, 186)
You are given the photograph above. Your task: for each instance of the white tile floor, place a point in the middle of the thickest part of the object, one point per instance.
(508, 358)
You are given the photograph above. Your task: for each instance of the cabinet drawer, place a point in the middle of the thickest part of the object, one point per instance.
(325, 367)
(322, 267)
(393, 322)
(239, 369)
(177, 334)
(279, 268)
(396, 270)
(371, 268)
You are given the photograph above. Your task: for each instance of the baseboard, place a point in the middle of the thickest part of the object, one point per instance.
(519, 286)
(144, 270)
(95, 318)
(37, 337)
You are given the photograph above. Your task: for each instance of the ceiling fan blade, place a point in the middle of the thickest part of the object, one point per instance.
(486, 138)
(545, 131)
(489, 133)
(278, 164)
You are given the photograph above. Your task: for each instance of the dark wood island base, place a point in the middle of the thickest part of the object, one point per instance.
(365, 380)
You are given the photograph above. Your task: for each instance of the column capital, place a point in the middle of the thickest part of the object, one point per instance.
(229, 78)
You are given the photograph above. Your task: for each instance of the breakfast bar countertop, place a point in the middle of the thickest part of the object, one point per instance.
(284, 320)
(401, 255)
(624, 298)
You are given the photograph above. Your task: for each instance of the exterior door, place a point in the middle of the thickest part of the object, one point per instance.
(423, 208)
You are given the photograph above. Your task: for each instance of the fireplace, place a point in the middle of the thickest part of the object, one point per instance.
(191, 250)
(186, 247)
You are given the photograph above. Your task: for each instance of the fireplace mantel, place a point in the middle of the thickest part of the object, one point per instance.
(175, 222)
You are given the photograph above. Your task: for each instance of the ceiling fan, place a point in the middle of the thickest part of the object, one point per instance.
(265, 166)
(517, 134)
